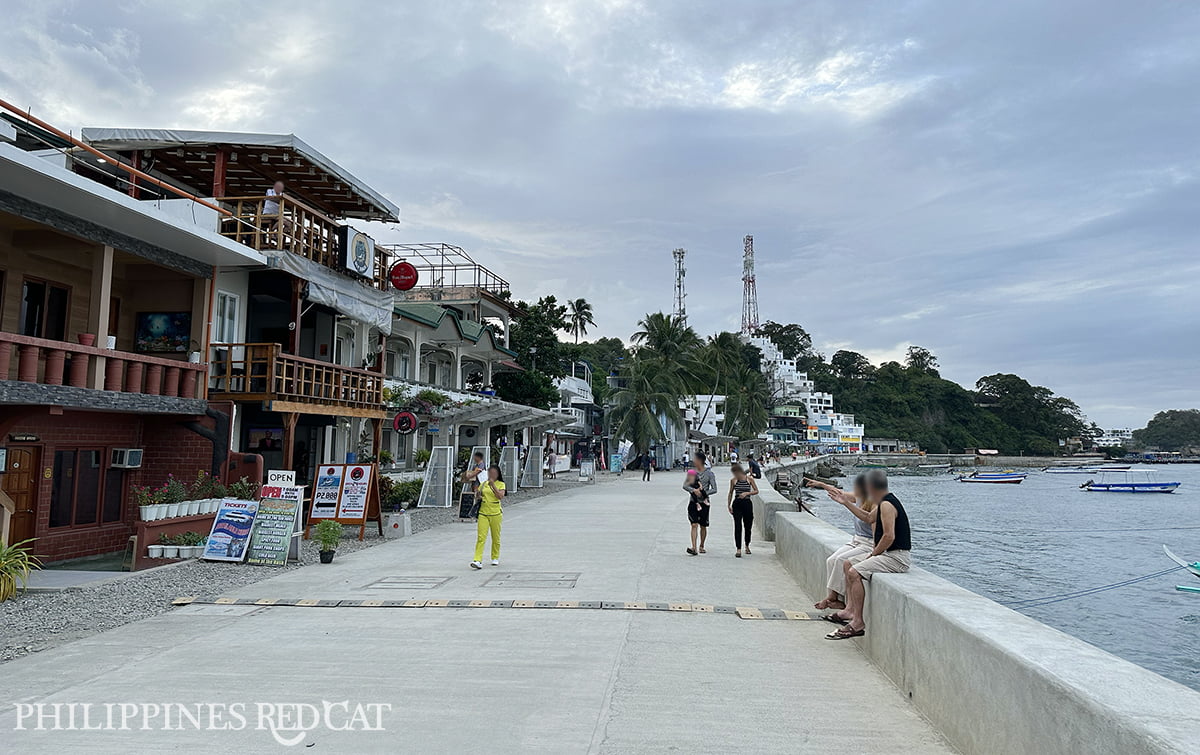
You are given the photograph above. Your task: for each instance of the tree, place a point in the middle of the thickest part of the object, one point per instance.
(791, 340)
(921, 360)
(534, 339)
(1171, 430)
(579, 317)
(850, 365)
(745, 403)
(637, 406)
(669, 349)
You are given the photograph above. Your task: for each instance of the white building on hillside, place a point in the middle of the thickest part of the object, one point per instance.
(1119, 436)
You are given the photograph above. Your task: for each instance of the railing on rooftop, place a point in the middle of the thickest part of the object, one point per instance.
(262, 372)
(445, 266)
(47, 362)
(296, 228)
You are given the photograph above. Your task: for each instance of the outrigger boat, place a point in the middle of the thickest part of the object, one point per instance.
(1193, 567)
(1139, 481)
(998, 478)
(1085, 469)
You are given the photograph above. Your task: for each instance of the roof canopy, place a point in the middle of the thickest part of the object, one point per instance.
(255, 161)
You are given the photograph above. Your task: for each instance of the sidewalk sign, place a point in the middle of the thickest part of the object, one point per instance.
(347, 493)
(230, 530)
(275, 525)
(587, 470)
(616, 463)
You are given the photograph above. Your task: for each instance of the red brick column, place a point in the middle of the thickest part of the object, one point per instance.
(27, 366)
(133, 377)
(171, 388)
(79, 370)
(154, 379)
(113, 373)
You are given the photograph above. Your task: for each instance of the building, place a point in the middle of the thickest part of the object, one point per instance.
(581, 433)
(783, 380)
(1117, 437)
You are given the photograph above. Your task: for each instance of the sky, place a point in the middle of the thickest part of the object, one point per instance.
(1014, 186)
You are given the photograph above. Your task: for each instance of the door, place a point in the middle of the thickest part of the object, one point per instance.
(20, 483)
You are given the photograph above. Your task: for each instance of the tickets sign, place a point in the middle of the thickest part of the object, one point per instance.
(230, 530)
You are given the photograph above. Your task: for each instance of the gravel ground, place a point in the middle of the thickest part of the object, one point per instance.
(33, 622)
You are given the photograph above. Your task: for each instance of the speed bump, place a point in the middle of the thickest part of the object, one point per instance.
(749, 613)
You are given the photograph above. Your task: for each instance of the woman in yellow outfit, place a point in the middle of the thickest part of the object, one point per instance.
(490, 516)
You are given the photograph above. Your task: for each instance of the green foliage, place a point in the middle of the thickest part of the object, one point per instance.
(921, 360)
(206, 486)
(243, 489)
(434, 398)
(579, 317)
(174, 491)
(328, 534)
(17, 562)
(531, 388)
(791, 340)
(534, 338)
(421, 456)
(1172, 430)
(386, 458)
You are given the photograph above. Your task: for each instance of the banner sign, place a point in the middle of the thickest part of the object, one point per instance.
(274, 525)
(355, 485)
(230, 530)
(616, 463)
(328, 491)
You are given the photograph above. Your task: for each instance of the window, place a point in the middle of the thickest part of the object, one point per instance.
(392, 364)
(44, 310)
(225, 327)
(85, 492)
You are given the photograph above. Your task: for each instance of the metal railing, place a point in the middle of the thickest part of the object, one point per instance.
(442, 267)
(47, 362)
(262, 372)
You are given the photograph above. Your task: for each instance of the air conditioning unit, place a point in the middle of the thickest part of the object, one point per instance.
(126, 458)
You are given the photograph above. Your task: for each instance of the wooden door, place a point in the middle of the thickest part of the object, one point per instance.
(20, 482)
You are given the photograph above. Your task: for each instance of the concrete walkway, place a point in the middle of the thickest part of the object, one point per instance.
(500, 680)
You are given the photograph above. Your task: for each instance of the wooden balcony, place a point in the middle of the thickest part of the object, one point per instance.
(41, 361)
(296, 228)
(291, 384)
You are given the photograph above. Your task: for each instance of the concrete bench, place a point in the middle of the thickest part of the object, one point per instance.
(991, 679)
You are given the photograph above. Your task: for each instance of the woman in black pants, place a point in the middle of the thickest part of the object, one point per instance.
(646, 467)
(741, 488)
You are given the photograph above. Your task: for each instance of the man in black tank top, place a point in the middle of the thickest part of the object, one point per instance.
(893, 541)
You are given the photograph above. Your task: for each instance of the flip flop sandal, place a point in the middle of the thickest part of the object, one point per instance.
(703, 551)
(835, 619)
(691, 552)
(845, 633)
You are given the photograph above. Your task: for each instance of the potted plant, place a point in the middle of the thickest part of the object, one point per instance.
(329, 532)
(16, 563)
(421, 457)
(385, 458)
(169, 546)
(155, 551)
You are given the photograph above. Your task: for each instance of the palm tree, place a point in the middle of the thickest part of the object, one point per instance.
(745, 403)
(579, 317)
(670, 350)
(638, 406)
(721, 357)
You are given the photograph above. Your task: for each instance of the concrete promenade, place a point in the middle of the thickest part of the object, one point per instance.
(499, 680)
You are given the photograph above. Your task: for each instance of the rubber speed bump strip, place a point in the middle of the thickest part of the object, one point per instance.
(743, 612)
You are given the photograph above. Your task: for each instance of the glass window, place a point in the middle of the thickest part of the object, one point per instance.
(87, 487)
(33, 305)
(227, 314)
(62, 494)
(114, 494)
(44, 310)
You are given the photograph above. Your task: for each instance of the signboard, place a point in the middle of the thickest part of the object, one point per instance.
(404, 423)
(281, 477)
(274, 525)
(230, 530)
(616, 463)
(587, 469)
(403, 275)
(347, 493)
(358, 251)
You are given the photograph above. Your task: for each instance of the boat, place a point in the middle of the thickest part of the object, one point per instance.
(933, 467)
(1087, 469)
(1193, 567)
(1140, 481)
(997, 478)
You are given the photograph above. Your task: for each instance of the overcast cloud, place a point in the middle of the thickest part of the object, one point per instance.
(1011, 185)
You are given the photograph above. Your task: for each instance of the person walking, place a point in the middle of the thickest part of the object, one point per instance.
(551, 462)
(646, 464)
(741, 505)
(491, 492)
(701, 490)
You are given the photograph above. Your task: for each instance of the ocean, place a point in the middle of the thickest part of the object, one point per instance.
(1046, 537)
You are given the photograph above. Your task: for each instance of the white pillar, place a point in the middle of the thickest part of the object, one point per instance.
(507, 326)
(457, 382)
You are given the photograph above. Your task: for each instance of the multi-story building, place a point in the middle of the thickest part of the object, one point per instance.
(784, 381)
(1115, 438)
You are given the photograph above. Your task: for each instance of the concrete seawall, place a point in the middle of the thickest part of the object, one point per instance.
(991, 679)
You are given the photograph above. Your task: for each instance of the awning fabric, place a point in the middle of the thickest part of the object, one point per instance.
(338, 292)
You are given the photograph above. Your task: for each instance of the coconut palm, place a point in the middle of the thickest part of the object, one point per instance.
(720, 358)
(579, 317)
(745, 403)
(639, 407)
(669, 349)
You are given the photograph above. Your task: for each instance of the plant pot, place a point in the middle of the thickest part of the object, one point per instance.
(170, 551)
(194, 551)
(155, 551)
(87, 339)
(326, 556)
(172, 510)
(193, 508)
(146, 513)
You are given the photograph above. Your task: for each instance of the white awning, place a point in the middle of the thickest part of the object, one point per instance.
(347, 296)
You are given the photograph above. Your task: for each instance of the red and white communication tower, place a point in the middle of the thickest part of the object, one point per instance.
(749, 289)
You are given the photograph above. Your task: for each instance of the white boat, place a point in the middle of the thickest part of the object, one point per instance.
(1129, 481)
(995, 478)
(1193, 567)
(1087, 469)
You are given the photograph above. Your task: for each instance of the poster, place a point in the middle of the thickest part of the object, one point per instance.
(230, 530)
(274, 525)
(355, 486)
(328, 491)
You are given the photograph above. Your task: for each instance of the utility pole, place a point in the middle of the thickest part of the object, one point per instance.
(680, 312)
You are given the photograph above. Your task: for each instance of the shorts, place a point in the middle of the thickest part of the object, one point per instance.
(888, 562)
(698, 517)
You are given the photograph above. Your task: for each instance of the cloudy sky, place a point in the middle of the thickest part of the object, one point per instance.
(1011, 185)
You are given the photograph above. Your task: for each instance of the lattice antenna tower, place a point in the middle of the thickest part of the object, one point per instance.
(749, 289)
(680, 312)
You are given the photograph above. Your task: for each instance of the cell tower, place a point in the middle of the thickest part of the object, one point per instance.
(680, 295)
(749, 289)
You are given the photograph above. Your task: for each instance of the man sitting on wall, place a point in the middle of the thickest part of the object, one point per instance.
(893, 541)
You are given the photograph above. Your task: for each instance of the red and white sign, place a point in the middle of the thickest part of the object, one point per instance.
(355, 484)
(403, 275)
(405, 423)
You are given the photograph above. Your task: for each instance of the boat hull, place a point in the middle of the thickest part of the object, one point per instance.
(994, 480)
(1131, 487)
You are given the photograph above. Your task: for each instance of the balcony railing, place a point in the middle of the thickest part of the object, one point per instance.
(262, 372)
(45, 362)
(578, 416)
(296, 228)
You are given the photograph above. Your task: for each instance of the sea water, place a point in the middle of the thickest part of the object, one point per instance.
(1046, 537)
